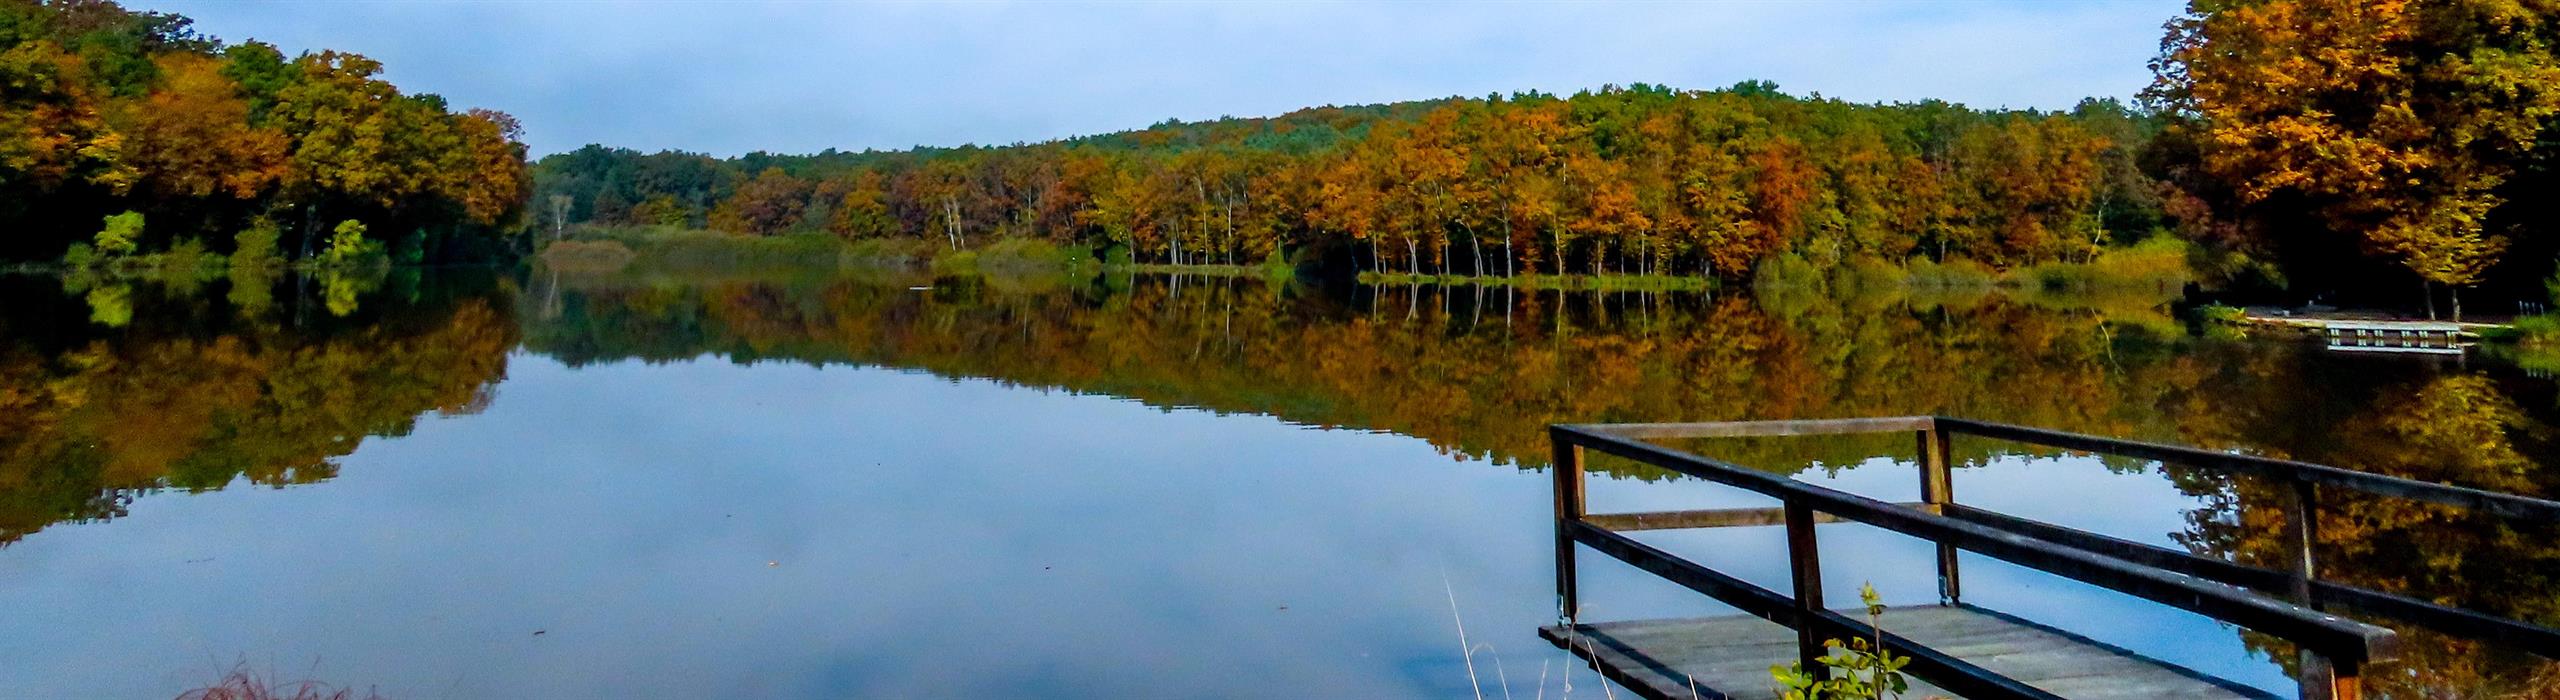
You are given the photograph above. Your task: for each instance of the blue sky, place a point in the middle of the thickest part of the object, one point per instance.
(732, 77)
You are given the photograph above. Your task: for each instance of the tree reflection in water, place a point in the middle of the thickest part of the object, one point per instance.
(264, 380)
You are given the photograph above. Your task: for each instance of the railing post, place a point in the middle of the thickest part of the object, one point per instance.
(2323, 680)
(2320, 678)
(1804, 559)
(1567, 469)
(2301, 531)
(1937, 489)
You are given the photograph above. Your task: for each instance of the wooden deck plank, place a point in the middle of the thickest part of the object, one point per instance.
(1729, 657)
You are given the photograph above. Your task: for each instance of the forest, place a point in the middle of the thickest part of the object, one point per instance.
(2320, 147)
(2315, 144)
(126, 133)
(1636, 180)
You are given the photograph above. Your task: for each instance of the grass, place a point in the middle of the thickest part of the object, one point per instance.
(1016, 256)
(2533, 331)
(670, 248)
(240, 684)
(602, 256)
(676, 249)
(1607, 283)
(2159, 263)
(1266, 272)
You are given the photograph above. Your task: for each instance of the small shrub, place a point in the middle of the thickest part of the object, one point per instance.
(189, 254)
(958, 262)
(80, 256)
(2537, 330)
(1860, 669)
(121, 235)
(1787, 270)
(346, 241)
(2160, 262)
(111, 305)
(2220, 314)
(255, 246)
(1953, 273)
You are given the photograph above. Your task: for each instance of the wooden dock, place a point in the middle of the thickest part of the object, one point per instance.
(1966, 651)
(1729, 657)
(2386, 336)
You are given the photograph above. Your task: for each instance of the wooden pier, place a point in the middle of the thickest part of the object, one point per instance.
(1733, 654)
(1958, 649)
(2383, 336)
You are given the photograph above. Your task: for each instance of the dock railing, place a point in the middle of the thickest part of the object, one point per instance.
(2334, 649)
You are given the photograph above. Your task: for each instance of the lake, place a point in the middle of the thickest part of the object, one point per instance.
(822, 484)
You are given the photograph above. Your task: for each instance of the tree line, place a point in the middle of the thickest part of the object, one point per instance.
(1642, 180)
(108, 112)
(2317, 143)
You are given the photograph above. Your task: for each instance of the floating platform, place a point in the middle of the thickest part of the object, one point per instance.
(1729, 657)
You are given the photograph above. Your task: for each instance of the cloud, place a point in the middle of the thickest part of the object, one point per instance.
(728, 78)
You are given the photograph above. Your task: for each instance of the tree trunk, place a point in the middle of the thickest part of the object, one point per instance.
(1478, 244)
(1559, 240)
(1507, 257)
(2456, 291)
(310, 229)
(2428, 289)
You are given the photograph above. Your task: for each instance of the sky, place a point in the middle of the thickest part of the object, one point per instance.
(795, 77)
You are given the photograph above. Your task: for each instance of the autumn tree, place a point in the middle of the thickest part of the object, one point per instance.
(2394, 120)
(769, 204)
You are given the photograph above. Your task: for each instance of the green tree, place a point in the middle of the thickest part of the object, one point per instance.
(346, 242)
(122, 235)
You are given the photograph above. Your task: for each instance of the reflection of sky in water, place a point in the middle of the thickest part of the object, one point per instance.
(708, 530)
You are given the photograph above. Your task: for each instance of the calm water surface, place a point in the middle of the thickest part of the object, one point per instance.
(470, 484)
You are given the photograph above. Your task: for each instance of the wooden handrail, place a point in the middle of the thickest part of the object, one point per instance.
(2504, 504)
(2341, 645)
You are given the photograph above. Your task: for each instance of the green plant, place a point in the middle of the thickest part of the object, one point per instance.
(2220, 314)
(80, 256)
(255, 246)
(111, 305)
(346, 241)
(188, 254)
(1860, 669)
(121, 235)
(2538, 330)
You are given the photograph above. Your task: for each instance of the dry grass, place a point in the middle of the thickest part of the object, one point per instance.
(241, 684)
(588, 255)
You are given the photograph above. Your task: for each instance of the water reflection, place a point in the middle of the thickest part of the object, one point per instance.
(271, 380)
(163, 387)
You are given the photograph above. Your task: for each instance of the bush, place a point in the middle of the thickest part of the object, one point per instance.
(346, 242)
(2159, 262)
(2220, 314)
(1787, 270)
(122, 234)
(2537, 330)
(1951, 273)
(80, 256)
(188, 254)
(255, 246)
(958, 262)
